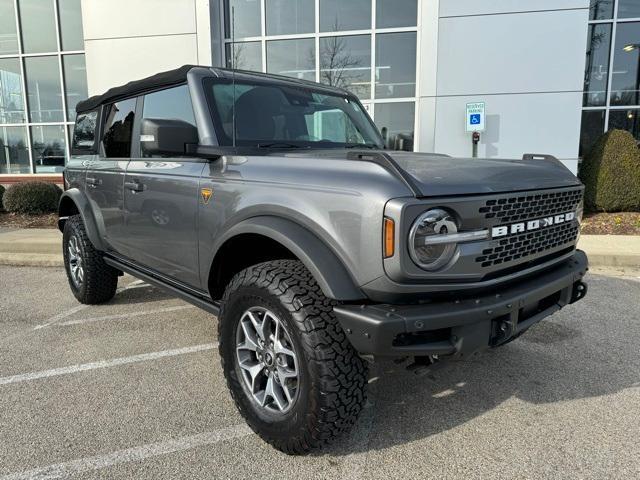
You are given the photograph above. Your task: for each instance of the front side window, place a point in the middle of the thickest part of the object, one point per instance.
(118, 128)
(268, 115)
(170, 104)
(84, 133)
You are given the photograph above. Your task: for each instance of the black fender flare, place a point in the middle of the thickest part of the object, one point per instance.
(329, 271)
(65, 210)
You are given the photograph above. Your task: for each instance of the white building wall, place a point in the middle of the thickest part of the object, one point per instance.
(130, 39)
(524, 59)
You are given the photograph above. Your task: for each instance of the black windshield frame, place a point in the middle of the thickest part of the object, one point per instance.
(373, 138)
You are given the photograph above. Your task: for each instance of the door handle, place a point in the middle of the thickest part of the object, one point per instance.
(134, 186)
(93, 182)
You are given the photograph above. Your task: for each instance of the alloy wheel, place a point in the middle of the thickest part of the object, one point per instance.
(267, 360)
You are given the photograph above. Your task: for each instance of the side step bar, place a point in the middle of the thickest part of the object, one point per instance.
(192, 298)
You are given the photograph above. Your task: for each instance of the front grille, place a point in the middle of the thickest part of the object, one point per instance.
(526, 244)
(524, 207)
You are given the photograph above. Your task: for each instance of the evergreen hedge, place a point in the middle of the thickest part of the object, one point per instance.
(611, 174)
(32, 198)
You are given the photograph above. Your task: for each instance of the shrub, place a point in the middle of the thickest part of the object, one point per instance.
(1, 195)
(32, 198)
(611, 174)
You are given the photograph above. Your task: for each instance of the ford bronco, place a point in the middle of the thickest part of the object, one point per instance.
(272, 203)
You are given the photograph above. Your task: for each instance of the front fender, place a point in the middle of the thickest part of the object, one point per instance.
(325, 266)
(72, 202)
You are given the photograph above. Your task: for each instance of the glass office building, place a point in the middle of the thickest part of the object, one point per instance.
(368, 47)
(612, 74)
(42, 77)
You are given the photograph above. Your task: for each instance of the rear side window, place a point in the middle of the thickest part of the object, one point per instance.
(84, 132)
(118, 128)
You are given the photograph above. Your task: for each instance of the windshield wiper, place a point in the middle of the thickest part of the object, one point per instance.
(280, 145)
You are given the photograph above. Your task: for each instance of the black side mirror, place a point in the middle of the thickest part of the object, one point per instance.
(166, 137)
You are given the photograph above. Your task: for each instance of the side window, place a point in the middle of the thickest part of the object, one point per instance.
(118, 127)
(84, 132)
(170, 104)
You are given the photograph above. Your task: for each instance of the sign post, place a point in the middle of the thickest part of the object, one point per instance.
(474, 122)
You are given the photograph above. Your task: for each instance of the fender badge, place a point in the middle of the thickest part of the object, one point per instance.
(206, 194)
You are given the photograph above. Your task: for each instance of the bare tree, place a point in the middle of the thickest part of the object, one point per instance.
(338, 67)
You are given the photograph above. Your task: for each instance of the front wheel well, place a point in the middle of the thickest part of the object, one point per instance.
(241, 252)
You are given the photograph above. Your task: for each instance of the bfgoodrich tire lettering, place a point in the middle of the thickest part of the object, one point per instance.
(331, 376)
(98, 281)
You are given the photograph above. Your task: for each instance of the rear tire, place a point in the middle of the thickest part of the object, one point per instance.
(324, 377)
(92, 281)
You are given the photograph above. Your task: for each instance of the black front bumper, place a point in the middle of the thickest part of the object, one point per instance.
(462, 327)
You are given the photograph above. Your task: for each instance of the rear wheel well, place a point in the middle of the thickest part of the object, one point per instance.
(67, 208)
(241, 252)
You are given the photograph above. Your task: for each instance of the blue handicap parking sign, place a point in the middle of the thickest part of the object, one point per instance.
(474, 119)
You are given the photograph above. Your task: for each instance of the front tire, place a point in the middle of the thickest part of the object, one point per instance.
(292, 373)
(92, 281)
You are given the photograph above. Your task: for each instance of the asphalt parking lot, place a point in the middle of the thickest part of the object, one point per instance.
(134, 389)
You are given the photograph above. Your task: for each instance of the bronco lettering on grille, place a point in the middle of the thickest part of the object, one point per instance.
(520, 227)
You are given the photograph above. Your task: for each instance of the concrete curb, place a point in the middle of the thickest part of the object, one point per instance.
(43, 248)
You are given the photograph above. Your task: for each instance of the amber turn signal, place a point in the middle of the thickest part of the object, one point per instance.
(389, 237)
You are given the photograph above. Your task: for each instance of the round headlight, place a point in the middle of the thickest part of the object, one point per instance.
(426, 249)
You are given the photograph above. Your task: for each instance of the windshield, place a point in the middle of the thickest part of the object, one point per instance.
(283, 116)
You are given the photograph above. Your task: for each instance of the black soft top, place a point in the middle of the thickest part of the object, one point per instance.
(179, 75)
(159, 80)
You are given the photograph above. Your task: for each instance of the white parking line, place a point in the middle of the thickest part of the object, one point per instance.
(25, 377)
(78, 308)
(134, 454)
(121, 316)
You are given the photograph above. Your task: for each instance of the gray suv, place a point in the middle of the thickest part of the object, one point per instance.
(272, 203)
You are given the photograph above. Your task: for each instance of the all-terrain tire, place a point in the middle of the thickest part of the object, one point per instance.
(99, 280)
(332, 381)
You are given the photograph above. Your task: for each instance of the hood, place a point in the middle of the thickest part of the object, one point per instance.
(439, 175)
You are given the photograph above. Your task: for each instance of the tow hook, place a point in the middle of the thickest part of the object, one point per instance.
(425, 364)
(579, 291)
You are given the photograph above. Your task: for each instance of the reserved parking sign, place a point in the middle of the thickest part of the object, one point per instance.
(474, 117)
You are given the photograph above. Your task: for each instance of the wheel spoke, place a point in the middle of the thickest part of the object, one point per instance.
(250, 340)
(285, 372)
(257, 325)
(277, 393)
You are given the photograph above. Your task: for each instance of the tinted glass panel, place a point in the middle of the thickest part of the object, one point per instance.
(271, 116)
(84, 134)
(246, 18)
(75, 82)
(601, 9)
(396, 13)
(170, 104)
(597, 65)
(592, 128)
(628, 9)
(290, 16)
(625, 120)
(336, 15)
(11, 97)
(48, 148)
(245, 56)
(395, 121)
(43, 89)
(71, 25)
(396, 65)
(14, 155)
(38, 28)
(293, 58)
(118, 128)
(626, 65)
(8, 35)
(345, 62)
